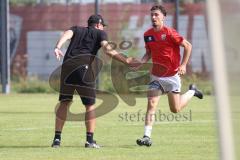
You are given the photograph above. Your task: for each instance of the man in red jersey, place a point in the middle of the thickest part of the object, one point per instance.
(163, 47)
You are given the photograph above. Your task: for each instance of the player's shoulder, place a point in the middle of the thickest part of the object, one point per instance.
(98, 33)
(76, 28)
(102, 31)
(148, 32)
(165, 29)
(169, 30)
(95, 30)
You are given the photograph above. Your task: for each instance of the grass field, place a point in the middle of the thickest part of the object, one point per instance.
(27, 128)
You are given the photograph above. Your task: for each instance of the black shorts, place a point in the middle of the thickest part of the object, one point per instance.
(80, 78)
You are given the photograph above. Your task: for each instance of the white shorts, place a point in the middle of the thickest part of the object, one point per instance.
(166, 84)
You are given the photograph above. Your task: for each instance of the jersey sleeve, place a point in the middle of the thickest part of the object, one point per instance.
(148, 51)
(74, 29)
(146, 44)
(176, 37)
(103, 36)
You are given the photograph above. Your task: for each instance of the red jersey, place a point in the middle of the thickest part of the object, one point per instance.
(164, 47)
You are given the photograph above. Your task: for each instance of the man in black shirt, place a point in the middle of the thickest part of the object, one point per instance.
(77, 72)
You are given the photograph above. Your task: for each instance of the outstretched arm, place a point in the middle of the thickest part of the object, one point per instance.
(116, 55)
(66, 36)
(146, 57)
(187, 52)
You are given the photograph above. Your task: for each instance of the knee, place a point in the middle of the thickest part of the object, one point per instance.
(65, 103)
(63, 106)
(152, 103)
(89, 108)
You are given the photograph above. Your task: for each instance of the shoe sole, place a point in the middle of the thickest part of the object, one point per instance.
(193, 87)
(140, 143)
(55, 146)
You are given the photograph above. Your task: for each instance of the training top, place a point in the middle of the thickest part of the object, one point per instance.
(85, 40)
(164, 47)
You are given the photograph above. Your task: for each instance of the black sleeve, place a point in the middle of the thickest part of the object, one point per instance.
(103, 36)
(74, 29)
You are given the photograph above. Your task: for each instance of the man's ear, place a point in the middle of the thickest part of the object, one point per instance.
(164, 17)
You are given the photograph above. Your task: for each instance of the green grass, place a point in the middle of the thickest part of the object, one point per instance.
(27, 127)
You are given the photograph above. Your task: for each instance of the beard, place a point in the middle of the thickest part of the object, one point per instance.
(154, 24)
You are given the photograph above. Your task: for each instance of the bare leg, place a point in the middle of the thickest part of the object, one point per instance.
(61, 115)
(90, 118)
(177, 102)
(153, 99)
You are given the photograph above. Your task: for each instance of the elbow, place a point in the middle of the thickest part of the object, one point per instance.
(189, 47)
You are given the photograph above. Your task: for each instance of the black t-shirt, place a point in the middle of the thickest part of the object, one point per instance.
(85, 40)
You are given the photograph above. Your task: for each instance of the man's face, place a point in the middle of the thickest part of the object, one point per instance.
(100, 26)
(157, 18)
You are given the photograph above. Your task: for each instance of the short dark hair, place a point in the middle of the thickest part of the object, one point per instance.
(95, 19)
(161, 8)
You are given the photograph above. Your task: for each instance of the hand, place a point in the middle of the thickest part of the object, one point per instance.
(58, 53)
(133, 63)
(182, 69)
